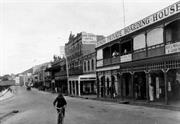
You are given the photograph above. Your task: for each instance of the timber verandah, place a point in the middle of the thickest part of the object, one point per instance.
(150, 69)
(162, 63)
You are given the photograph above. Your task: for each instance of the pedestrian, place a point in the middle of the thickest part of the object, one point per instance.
(60, 103)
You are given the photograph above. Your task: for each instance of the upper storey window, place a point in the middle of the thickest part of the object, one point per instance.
(139, 42)
(99, 55)
(127, 47)
(155, 36)
(173, 31)
(106, 53)
(115, 50)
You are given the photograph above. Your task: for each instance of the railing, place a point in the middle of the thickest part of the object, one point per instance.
(115, 59)
(61, 73)
(107, 61)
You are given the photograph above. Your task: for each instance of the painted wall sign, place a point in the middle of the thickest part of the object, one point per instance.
(160, 15)
(172, 48)
(88, 38)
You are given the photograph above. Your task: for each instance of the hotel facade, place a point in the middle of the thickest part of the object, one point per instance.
(142, 60)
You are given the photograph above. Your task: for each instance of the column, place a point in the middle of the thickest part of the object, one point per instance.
(97, 84)
(72, 90)
(166, 85)
(75, 88)
(79, 89)
(119, 76)
(132, 85)
(122, 89)
(68, 84)
(147, 85)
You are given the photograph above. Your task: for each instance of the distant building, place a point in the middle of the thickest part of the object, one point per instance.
(39, 75)
(58, 75)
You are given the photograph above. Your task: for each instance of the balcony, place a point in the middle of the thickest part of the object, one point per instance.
(115, 60)
(156, 50)
(139, 54)
(61, 73)
(107, 61)
(110, 61)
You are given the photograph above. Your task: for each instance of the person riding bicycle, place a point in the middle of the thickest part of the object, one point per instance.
(60, 103)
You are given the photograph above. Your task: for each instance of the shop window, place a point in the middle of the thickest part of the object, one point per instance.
(127, 47)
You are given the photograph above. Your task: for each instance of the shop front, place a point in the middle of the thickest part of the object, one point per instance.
(140, 85)
(82, 85)
(107, 82)
(173, 84)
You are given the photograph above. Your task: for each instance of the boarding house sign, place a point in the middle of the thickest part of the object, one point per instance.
(160, 15)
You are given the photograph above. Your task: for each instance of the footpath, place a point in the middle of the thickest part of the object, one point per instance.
(174, 107)
(6, 94)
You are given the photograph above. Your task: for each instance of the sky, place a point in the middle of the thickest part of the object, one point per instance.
(31, 31)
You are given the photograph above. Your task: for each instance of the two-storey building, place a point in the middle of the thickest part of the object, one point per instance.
(77, 47)
(58, 75)
(142, 60)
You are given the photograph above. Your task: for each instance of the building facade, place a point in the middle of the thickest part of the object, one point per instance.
(142, 61)
(58, 75)
(88, 78)
(77, 47)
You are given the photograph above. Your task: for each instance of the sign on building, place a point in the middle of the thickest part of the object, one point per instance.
(172, 48)
(62, 51)
(156, 17)
(126, 58)
(88, 38)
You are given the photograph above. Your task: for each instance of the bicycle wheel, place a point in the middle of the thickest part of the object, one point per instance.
(60, 118)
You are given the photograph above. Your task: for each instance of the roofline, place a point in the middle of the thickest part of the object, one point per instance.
(143, 23)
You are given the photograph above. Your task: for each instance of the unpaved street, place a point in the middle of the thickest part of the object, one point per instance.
(35, 107)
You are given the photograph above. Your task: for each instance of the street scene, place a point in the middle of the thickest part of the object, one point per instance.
(36, 107)
(90, 62)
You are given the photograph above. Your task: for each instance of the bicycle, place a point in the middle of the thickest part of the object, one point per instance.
(60, 115)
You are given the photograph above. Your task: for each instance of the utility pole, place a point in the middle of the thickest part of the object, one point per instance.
(124, 19)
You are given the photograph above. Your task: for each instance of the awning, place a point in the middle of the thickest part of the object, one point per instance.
(108, 68)
(85, 77)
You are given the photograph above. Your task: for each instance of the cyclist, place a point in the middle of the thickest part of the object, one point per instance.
(60, 104)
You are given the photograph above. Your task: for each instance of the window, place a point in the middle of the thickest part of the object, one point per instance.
(127, 47)
(99, 54)
(84, 66)
(92, 64)
(139, 42)
(155, 36)
(88, 66)
(172, 31)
